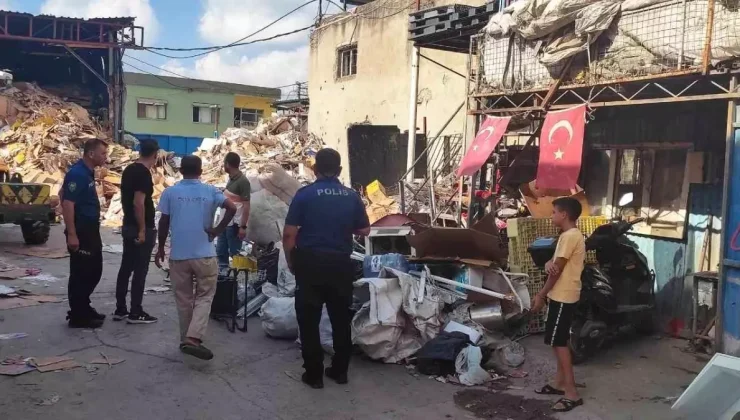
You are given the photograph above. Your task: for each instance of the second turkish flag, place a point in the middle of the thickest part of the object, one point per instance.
(561, 148)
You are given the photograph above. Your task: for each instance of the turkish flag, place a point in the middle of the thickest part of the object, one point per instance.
(561, 148)
(491, 132)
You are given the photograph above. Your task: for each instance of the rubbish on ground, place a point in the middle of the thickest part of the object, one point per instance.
(113, 249)
(26, 300)
(278, 317)
(718, 383)
(157, 289)
(15, 369)
(468, 367)
(44, 278)
(376, 192)
(50, 401)
(438, 356)
(39, 251)
(6, 291)
(12, 336)
(106, 360)
(54, 363)
(13, 274)
(483, 403)
(472, 334)
(518, 374)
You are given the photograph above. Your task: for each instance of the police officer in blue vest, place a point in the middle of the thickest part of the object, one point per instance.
(318, 243)
(81, 211)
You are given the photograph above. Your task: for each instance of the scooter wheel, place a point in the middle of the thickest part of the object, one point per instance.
(580, 348)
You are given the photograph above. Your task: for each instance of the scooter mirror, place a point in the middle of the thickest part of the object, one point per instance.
(626, 199)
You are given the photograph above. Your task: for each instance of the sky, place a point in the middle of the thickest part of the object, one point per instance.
(198, 23)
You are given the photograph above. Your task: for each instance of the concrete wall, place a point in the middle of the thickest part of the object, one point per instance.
(379, 93)
(179, 119)
(255, 102)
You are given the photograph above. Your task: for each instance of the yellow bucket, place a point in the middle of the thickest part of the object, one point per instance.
(241, 262)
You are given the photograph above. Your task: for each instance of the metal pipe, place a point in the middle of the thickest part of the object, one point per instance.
(730, 143)
(449, 120)
(87, 66)
(468, 287)
(413, 94)
(683, 37)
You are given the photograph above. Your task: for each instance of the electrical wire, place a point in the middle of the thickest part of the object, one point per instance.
(153, 50)
(155, 75)
(238, 42)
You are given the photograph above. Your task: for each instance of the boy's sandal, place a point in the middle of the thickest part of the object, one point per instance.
(566, 405)
(548, 390)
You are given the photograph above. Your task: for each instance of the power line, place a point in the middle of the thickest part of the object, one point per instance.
(155, 75)
(153, 50)
(239, 41)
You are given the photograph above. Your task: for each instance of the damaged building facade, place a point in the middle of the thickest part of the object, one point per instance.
(359, 71)
(659, 79)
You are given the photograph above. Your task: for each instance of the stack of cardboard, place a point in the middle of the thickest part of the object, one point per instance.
(380, 204)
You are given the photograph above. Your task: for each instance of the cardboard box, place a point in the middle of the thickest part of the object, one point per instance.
(376, 192)
(539, 201)
(481, 242)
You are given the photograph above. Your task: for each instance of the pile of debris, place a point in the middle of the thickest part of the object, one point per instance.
(41, 136)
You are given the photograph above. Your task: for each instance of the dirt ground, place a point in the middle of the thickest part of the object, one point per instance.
(253, 376)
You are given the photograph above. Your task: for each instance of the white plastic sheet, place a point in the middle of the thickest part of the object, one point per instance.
(468, 368)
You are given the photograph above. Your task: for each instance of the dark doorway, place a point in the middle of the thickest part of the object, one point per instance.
(379, 152)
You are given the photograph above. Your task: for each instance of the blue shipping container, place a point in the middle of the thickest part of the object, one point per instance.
(179, 145)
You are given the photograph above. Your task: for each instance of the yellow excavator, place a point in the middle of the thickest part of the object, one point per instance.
(26, 205)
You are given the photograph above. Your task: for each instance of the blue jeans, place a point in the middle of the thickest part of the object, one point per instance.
(228, 245)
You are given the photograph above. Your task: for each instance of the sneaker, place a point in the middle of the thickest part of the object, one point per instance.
(313, 383)
(340, 378)
(95, 315)
(141, 318)
(120, 314)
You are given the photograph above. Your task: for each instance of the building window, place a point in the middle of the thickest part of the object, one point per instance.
(629, 180)
(151, 110)
(347, 61)
(205, 114)
(246, 117)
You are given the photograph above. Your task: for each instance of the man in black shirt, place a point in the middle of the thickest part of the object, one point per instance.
(139, 233)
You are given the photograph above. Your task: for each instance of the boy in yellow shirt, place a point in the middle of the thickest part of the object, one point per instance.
(562, 292)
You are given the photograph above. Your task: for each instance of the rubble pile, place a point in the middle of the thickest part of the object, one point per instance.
(41, 136)
(280, 141)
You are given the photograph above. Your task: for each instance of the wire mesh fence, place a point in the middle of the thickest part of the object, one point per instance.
(661, 39)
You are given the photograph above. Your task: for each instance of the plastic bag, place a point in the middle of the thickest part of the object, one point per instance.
(467, 366)
(266, 218)
(285, 279)
(439, 356)
(279, 318)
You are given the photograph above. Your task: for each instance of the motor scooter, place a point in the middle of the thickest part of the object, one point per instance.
(617, 293)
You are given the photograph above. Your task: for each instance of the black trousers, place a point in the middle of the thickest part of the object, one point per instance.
(85, 269)
(135, 260)
(323, 278)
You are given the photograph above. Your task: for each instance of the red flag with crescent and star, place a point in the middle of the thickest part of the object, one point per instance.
(491, 132)
(561, 148)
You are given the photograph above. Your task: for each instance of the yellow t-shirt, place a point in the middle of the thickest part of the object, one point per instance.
(572, 247)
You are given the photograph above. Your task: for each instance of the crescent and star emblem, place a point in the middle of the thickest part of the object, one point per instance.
(490, 129)
(565, 124)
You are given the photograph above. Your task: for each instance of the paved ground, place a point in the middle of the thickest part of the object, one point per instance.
(251, 375)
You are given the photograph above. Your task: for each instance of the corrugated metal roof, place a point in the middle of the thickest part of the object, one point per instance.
(167, 82)
(122, 20)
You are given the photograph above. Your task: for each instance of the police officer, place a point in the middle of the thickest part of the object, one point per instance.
(81, 211)
(317, 240)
